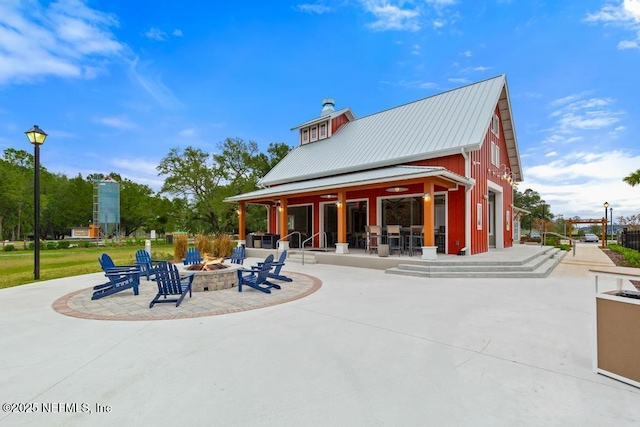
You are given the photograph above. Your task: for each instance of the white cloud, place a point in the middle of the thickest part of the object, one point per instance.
(177, 33)
(139, 74)
(466, 53)
(551, 154)
(578, 183)
(442, 2)
(479, 68)
(628, 44)
(579, 114)
(141, 171)
(187, 132)
(116, 122)
(459, 80)
(391, 17)
(317, 8)
(156, 34)
(64, 39)
(417, 84)
(625, 15)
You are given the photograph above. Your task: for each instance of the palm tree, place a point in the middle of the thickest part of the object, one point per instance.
(633, 179)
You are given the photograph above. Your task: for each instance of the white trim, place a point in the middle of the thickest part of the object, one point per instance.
(498, 213)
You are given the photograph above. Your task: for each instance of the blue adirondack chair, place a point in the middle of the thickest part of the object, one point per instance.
(277, 266)
(170, 283)
(192, 257)
(120, 278)
(146, 264)
(107, 264)
(237, 256)
(256, 277)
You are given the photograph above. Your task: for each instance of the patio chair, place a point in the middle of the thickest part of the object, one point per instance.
(237, 256)
(118, 281)
(275, 273)
(120, 278)
(192, 257)
(256, 277)
(394, 239)
(415, 239)
(170, 283)
(373, 237)
(146, 264)
(107, 265)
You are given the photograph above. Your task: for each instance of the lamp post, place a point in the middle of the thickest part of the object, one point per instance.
(611, 219)
(544, 225)
(606, 221)
(36, 137)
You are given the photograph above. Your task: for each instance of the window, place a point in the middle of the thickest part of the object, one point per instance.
(479, 216)
(323, 130)
(495, 125)
(314, 133)
(495, 154)
(305, 135)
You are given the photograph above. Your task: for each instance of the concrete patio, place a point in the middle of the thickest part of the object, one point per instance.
(367, 348)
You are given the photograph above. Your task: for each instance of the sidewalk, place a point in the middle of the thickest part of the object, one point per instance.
(366, 349)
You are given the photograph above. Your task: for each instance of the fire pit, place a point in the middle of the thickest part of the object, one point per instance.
(212, 275)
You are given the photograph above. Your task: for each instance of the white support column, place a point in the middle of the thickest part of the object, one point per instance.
(283, 245)
(430, 252)
(342, 248)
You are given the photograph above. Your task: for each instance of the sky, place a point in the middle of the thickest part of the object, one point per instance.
(117, 85)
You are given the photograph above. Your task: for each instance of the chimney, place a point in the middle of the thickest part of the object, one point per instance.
(328, 105)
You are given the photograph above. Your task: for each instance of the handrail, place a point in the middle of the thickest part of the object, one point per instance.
(284, 237)
(544, 236)
(321, 246)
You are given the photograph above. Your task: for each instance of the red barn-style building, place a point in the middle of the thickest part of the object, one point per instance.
(447, 162)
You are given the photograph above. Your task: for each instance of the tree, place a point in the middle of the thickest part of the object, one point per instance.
(205, 181)
(633, 178)
(632, 223)
(16, 192)
(136, 206)
(196, 175)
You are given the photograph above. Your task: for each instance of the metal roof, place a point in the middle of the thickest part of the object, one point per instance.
(432, 127)
(333, 183)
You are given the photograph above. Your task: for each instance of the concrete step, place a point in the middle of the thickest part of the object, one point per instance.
(538, 267)
(297, 258)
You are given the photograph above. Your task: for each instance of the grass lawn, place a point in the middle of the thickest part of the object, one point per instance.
(16, 268)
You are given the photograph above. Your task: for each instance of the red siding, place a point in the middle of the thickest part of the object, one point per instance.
(336, 122)
(483, 172)
(454, 163)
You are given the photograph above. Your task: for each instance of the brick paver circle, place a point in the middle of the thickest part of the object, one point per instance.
(126, 306)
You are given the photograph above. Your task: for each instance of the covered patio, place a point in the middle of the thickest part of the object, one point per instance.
(334, 212)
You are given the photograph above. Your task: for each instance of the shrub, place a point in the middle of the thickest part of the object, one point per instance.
(9, 247)
(180, 244)
(222, 246)
(52, 245)
(203, 244)
(31, 246)
(563, 246)
(63, 244)
(85, 244)
(165, 256)
(632, 256)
